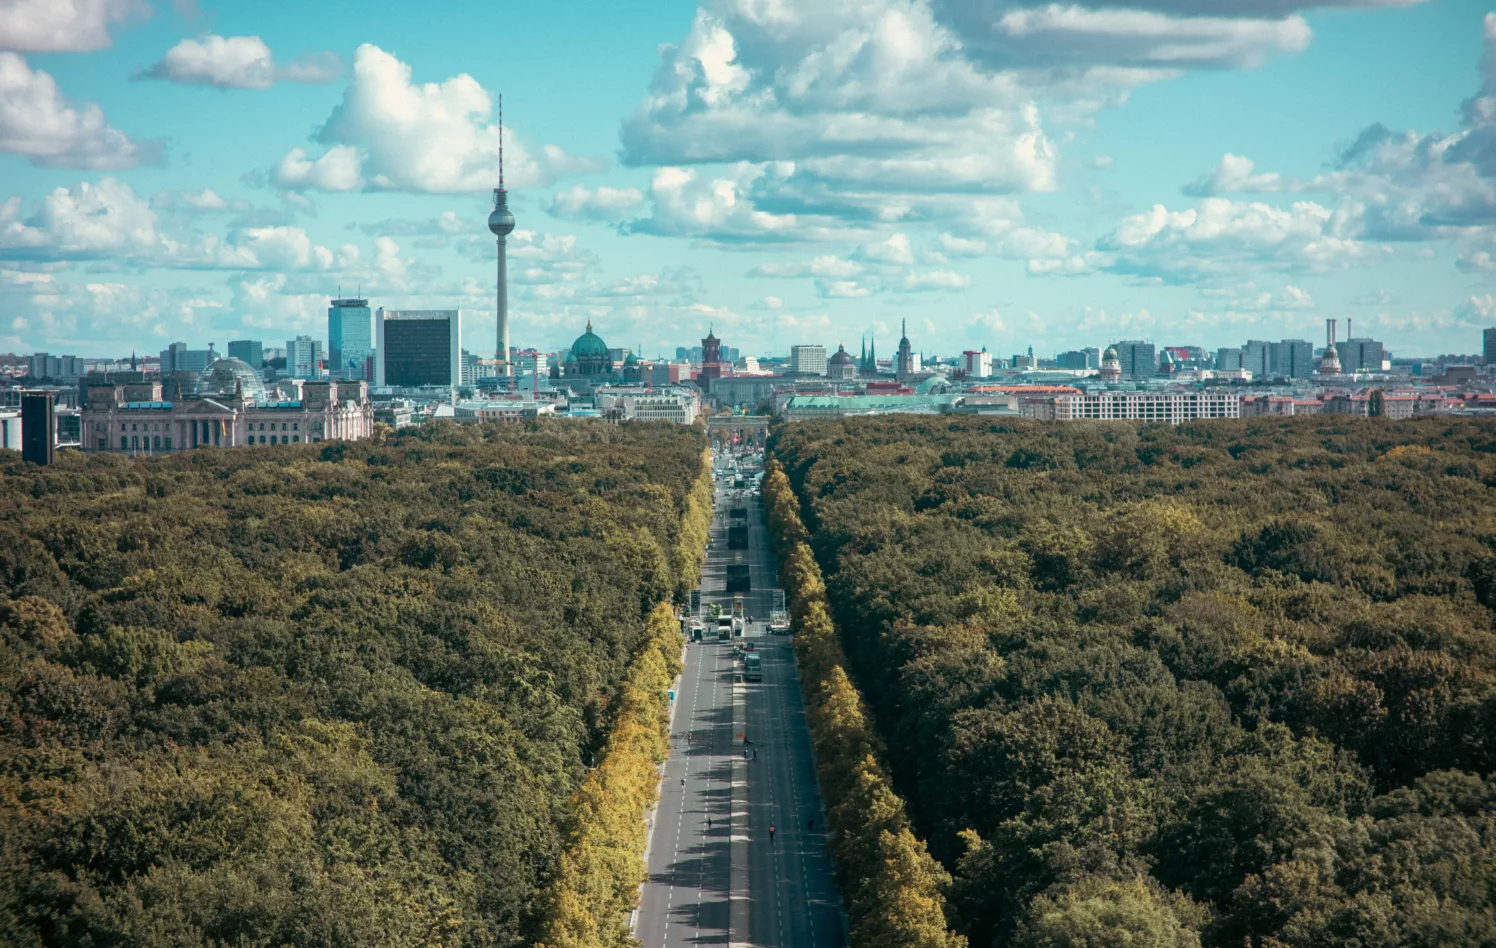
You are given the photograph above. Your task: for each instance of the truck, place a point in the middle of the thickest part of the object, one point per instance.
(724, 629)
(696, 630)
(738, 513)
(753, 666)
(779, 623)
(737, 607)
(737, 538)
(737, 579)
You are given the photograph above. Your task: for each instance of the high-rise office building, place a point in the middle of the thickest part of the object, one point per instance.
(43, 365)
(1360, 355)
(1228, 359)
(304, 357)
(1257, 358)
(1489, 339)
(1136, 358)
(1076, 359)
(39, 427)
(249, 351)
(178, 358)
(418, 347)
(808, 360)
(350, 338)
(1293, 359)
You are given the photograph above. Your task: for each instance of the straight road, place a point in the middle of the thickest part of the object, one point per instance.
(791, 900)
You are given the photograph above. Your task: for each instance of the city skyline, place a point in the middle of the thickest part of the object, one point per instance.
(790, 175)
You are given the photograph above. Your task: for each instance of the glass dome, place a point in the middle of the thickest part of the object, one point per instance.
(223, 376)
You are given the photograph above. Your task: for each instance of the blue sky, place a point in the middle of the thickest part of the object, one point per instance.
(998, 172)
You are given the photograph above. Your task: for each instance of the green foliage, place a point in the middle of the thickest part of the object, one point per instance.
(354, 694)
(894, 889)
(1228, 684)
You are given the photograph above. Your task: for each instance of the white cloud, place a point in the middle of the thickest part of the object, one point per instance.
(1218, 236)
(688, 204)
(1137, 38)
(62, 26)
(827, 265)
(237, 62)
(38, 122)
(1233, 173)
(895, 250)
(842, 289)
(430, 138)
(340, 168)
(206, 201)
(962, 246)
(769, 302)
(601, 204)
(936, 280)
(875, 93)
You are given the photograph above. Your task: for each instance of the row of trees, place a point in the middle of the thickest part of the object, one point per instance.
(1232, 683)
(602, 866)
(335, 694)
(893, 888)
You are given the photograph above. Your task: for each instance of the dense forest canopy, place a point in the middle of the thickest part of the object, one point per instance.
(333, 694)
(1232, 683)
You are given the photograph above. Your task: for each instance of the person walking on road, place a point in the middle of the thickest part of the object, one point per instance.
(771, 834)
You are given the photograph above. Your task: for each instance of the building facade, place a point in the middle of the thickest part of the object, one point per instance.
(841, 365)
(808, 360)
(350, 338)
(978, 365)
(249, 351)
(418, 348)
(303, 357)
(178, 358)
(1136, 358)
(1166, 407)
(132, 418)
(1488, 339)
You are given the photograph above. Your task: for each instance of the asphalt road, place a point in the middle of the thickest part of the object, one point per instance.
(791, 899)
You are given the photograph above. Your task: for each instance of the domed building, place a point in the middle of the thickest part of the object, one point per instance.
(1111, 366)
(589, 357)
(226, 377)
(841, 365)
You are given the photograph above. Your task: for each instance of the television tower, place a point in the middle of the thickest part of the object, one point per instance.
(501, 223)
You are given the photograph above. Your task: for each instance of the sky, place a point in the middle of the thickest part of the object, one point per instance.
(998, 173)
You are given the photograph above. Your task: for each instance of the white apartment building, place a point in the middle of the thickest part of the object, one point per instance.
(978, 365)
(809, 360)
(1168, 407)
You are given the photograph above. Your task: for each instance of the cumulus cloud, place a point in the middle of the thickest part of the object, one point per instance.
(107, 221)
(895, 250)
(340, 168)
(1219, 236)
(238, 62)
(600, 204)
(392, 134)
(37, 121)
(721, 208)
(936, 280)
(875, 93)
(206, 201)
(1234, 173)
(62, 26)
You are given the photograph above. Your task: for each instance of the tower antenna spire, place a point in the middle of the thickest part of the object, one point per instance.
(501, 225)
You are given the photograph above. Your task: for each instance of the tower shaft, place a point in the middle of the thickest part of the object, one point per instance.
(503, 307)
